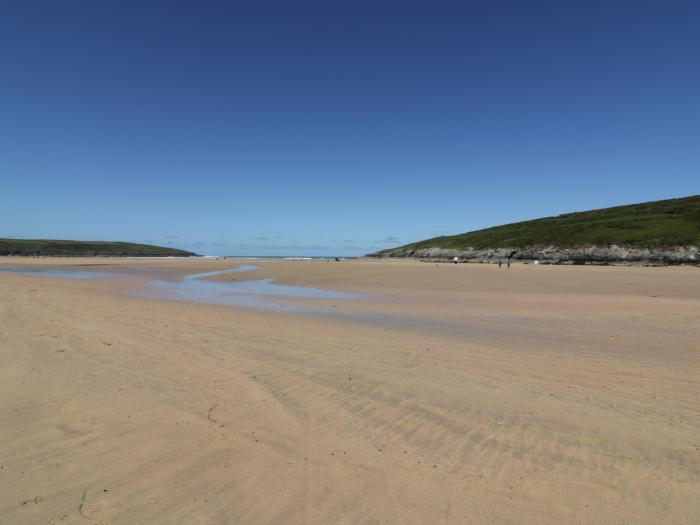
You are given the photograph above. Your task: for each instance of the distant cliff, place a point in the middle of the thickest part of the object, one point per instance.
(651, 233)
(60, 248)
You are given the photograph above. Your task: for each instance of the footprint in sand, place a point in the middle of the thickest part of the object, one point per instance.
(32, 501)
(95, 501)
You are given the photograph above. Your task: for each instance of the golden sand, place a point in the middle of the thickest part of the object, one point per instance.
(449, 394)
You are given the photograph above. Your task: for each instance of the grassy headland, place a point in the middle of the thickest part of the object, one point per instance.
(673, 222)
(44, 247)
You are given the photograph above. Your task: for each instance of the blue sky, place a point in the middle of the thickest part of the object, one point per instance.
(338, 128)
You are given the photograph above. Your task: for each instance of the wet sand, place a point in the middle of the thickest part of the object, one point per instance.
(449, 394)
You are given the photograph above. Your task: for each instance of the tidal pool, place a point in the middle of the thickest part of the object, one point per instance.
(259, 293)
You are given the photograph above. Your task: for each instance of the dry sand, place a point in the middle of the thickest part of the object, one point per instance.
(451, 394)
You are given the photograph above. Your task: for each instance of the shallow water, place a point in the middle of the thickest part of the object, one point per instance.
(58, 273)
(239, 268)
(262, 294)
(259, 293)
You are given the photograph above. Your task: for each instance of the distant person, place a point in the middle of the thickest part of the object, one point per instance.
(500, 262)
(508, 263)
(456, 260)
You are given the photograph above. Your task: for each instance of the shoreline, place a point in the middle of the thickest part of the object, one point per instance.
(462, 256)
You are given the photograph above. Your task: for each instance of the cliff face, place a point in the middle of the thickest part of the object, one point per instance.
(612, 254)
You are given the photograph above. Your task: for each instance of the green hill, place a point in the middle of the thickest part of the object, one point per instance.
(657, 224)
(44, 247)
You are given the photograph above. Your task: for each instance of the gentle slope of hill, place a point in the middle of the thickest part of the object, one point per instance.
(85, 248)
(632, 232)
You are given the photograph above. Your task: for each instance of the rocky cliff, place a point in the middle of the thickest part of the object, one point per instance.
(612, 254)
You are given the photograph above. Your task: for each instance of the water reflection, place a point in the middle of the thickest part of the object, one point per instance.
(254, 293)
(259, 293)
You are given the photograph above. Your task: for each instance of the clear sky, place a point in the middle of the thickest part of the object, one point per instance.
(291, 127)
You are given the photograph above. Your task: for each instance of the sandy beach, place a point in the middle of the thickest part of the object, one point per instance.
(438, 394)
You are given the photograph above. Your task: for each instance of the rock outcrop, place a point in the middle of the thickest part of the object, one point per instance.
(612, 254)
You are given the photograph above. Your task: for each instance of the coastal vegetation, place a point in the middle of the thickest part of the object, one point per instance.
(673, 222)
(65, 248)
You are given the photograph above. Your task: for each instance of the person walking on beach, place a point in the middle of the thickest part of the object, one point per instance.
(509, 264)
(500, 262)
